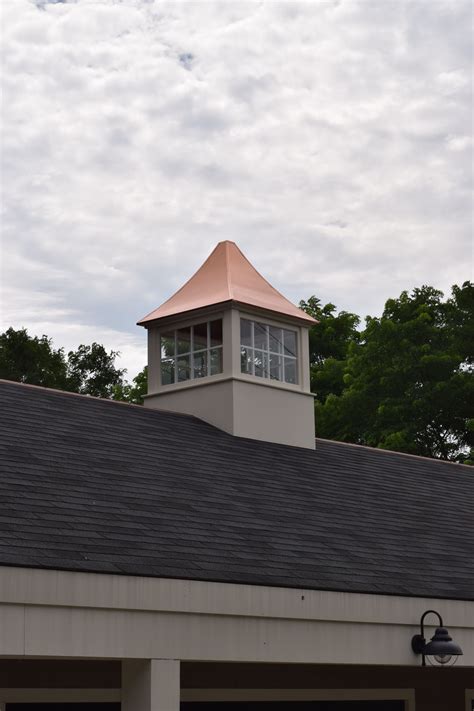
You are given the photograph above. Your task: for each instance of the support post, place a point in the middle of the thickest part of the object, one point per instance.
(150, 685)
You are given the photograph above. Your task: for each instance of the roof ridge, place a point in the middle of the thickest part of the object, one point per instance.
(84, 396)
(227, 267)
(392, 451)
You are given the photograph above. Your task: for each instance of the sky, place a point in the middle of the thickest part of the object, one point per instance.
(331, 140)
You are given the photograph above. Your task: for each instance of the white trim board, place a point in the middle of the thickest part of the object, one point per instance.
(469, 699)
(47, 613)
(39, 587)
(58, 695)
(406, 695)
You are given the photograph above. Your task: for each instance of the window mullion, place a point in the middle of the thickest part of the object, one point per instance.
(267, 355)
(175, 360)
(282, 358)
(252, 340)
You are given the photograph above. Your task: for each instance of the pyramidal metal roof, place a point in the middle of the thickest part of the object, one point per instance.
(226, 276)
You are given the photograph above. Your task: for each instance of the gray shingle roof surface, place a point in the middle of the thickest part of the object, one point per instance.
(92, 485)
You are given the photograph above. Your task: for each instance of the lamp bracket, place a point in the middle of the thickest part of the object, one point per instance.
(417, 643)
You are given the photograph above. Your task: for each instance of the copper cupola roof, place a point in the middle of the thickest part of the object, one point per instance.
(226, 276)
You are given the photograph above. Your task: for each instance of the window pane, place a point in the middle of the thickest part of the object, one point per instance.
(167, 344)
(184, 368)
(216, 333)
(276, 363)
(216, 360)
(200, 364)
(200, 337)
(184, 340)
(260, 361)
(246, 355)
(276, 344)
(260, 335)
(290, 370)
(245, 332)
(289, 338)
(167, 371)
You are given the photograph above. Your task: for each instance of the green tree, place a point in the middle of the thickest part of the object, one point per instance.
(134, 392)
(89, 370)
(329, 343)
(92, 371)
(33, 360)
(408, 384)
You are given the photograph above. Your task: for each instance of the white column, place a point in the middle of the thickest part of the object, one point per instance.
(154, 354)
(150, 685)
(235, 343)
(304, 376)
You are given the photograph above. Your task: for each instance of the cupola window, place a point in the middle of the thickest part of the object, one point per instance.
(191, 352)
(268, 351)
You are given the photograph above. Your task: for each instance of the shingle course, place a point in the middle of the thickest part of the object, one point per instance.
(97, 486)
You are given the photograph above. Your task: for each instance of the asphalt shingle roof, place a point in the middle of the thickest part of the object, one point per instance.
(92, 485)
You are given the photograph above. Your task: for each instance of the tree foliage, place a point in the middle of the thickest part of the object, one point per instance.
(406, 382)
(89, 370)
(329, 343)
(92, 371)
(134, 392)
(29, 359)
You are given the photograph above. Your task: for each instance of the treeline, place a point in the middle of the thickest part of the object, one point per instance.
(403, 381)
(90, 370)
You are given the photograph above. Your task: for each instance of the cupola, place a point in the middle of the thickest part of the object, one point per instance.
(229, 348)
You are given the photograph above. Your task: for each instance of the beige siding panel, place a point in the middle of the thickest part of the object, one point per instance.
(12, 629)
(273, 413)
(110, 616)
(90, 632)
(98, 590)
(210, 399)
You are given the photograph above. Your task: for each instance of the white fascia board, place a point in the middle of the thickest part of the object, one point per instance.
(99, 590)
(68, 614)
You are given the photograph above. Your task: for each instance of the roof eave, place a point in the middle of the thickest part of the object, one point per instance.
(304, 319)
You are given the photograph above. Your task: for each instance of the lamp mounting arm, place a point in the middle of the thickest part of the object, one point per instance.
(422, 621)
(418, 642)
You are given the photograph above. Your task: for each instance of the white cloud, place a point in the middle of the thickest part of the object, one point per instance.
(330, 140)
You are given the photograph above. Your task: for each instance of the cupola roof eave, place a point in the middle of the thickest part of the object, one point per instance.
(226, 277)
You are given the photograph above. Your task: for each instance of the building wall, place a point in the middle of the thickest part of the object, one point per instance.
(434, 689)
(431, 689)
(256, 410)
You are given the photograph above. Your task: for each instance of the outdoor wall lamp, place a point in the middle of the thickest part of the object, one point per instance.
(441, 650)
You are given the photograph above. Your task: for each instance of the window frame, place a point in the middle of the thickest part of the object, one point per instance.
(191, 352)
(267, 353)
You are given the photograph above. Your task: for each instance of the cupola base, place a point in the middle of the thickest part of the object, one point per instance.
(279, 415)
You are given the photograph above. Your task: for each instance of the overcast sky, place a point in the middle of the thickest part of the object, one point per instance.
(329, 139)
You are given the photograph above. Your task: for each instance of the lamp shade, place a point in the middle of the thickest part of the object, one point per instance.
(442, 645)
